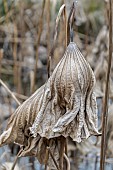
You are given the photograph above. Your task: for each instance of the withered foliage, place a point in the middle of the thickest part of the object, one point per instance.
(69, 104)
(65, 105)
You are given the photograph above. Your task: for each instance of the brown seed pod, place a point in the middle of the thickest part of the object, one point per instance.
(69, 105)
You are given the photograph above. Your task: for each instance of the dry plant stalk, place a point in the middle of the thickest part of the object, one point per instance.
(19, 69)
(105, 111)
(1, 56)
(62, 10)
(15, 57)
(70, 22)
(67, 160)
(15, 161)
(37, 44)
(6, 9)
(48, 37)
(9, 91)
(53, 158)
(48, 11)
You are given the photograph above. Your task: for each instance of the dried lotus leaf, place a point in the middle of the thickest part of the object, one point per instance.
(19, 122)
(31, 148)
(69, 105)
(65, 105)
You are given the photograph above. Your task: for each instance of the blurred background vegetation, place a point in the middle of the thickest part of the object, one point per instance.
(26, 34)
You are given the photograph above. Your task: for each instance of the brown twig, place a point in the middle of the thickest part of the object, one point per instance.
(37, 44)
(47, 157)
(53, 158)
(48, 38)
(6, 9)
(65, 22)
(30, 25)
(15, 58)
(67, 160)
(9, 91)
(22, 32)
(62, 10)
(15, 161)
(20, 96)
(47, 153)
(7, 16)
(62, 150)
(48, 11)
(1, 56)
(70, 22)
(105, 110)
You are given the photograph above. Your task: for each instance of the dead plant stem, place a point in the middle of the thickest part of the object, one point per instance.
(53, 158)
(67, 160)
(105, 109)
(9, 91)
(65, 18)
(15, 58)
(62, 150)
(70, 22)
(15, 161)
(48, 38)
(37, 44)
(1, 56)
(62, 10)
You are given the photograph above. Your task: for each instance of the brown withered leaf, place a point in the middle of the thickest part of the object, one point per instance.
(69, 104)
(65, 105)
(18, 125)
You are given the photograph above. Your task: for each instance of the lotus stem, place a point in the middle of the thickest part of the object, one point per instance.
(105, 109)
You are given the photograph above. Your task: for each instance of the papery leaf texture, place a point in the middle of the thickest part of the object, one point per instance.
(64, 106)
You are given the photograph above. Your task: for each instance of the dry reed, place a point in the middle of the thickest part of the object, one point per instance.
(105, 110)
(40, 26)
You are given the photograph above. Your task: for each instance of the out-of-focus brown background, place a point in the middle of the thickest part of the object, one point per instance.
(24, 36)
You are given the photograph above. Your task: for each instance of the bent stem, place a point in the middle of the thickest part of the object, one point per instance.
(62, 10)
(70, 23)
(67, 160)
